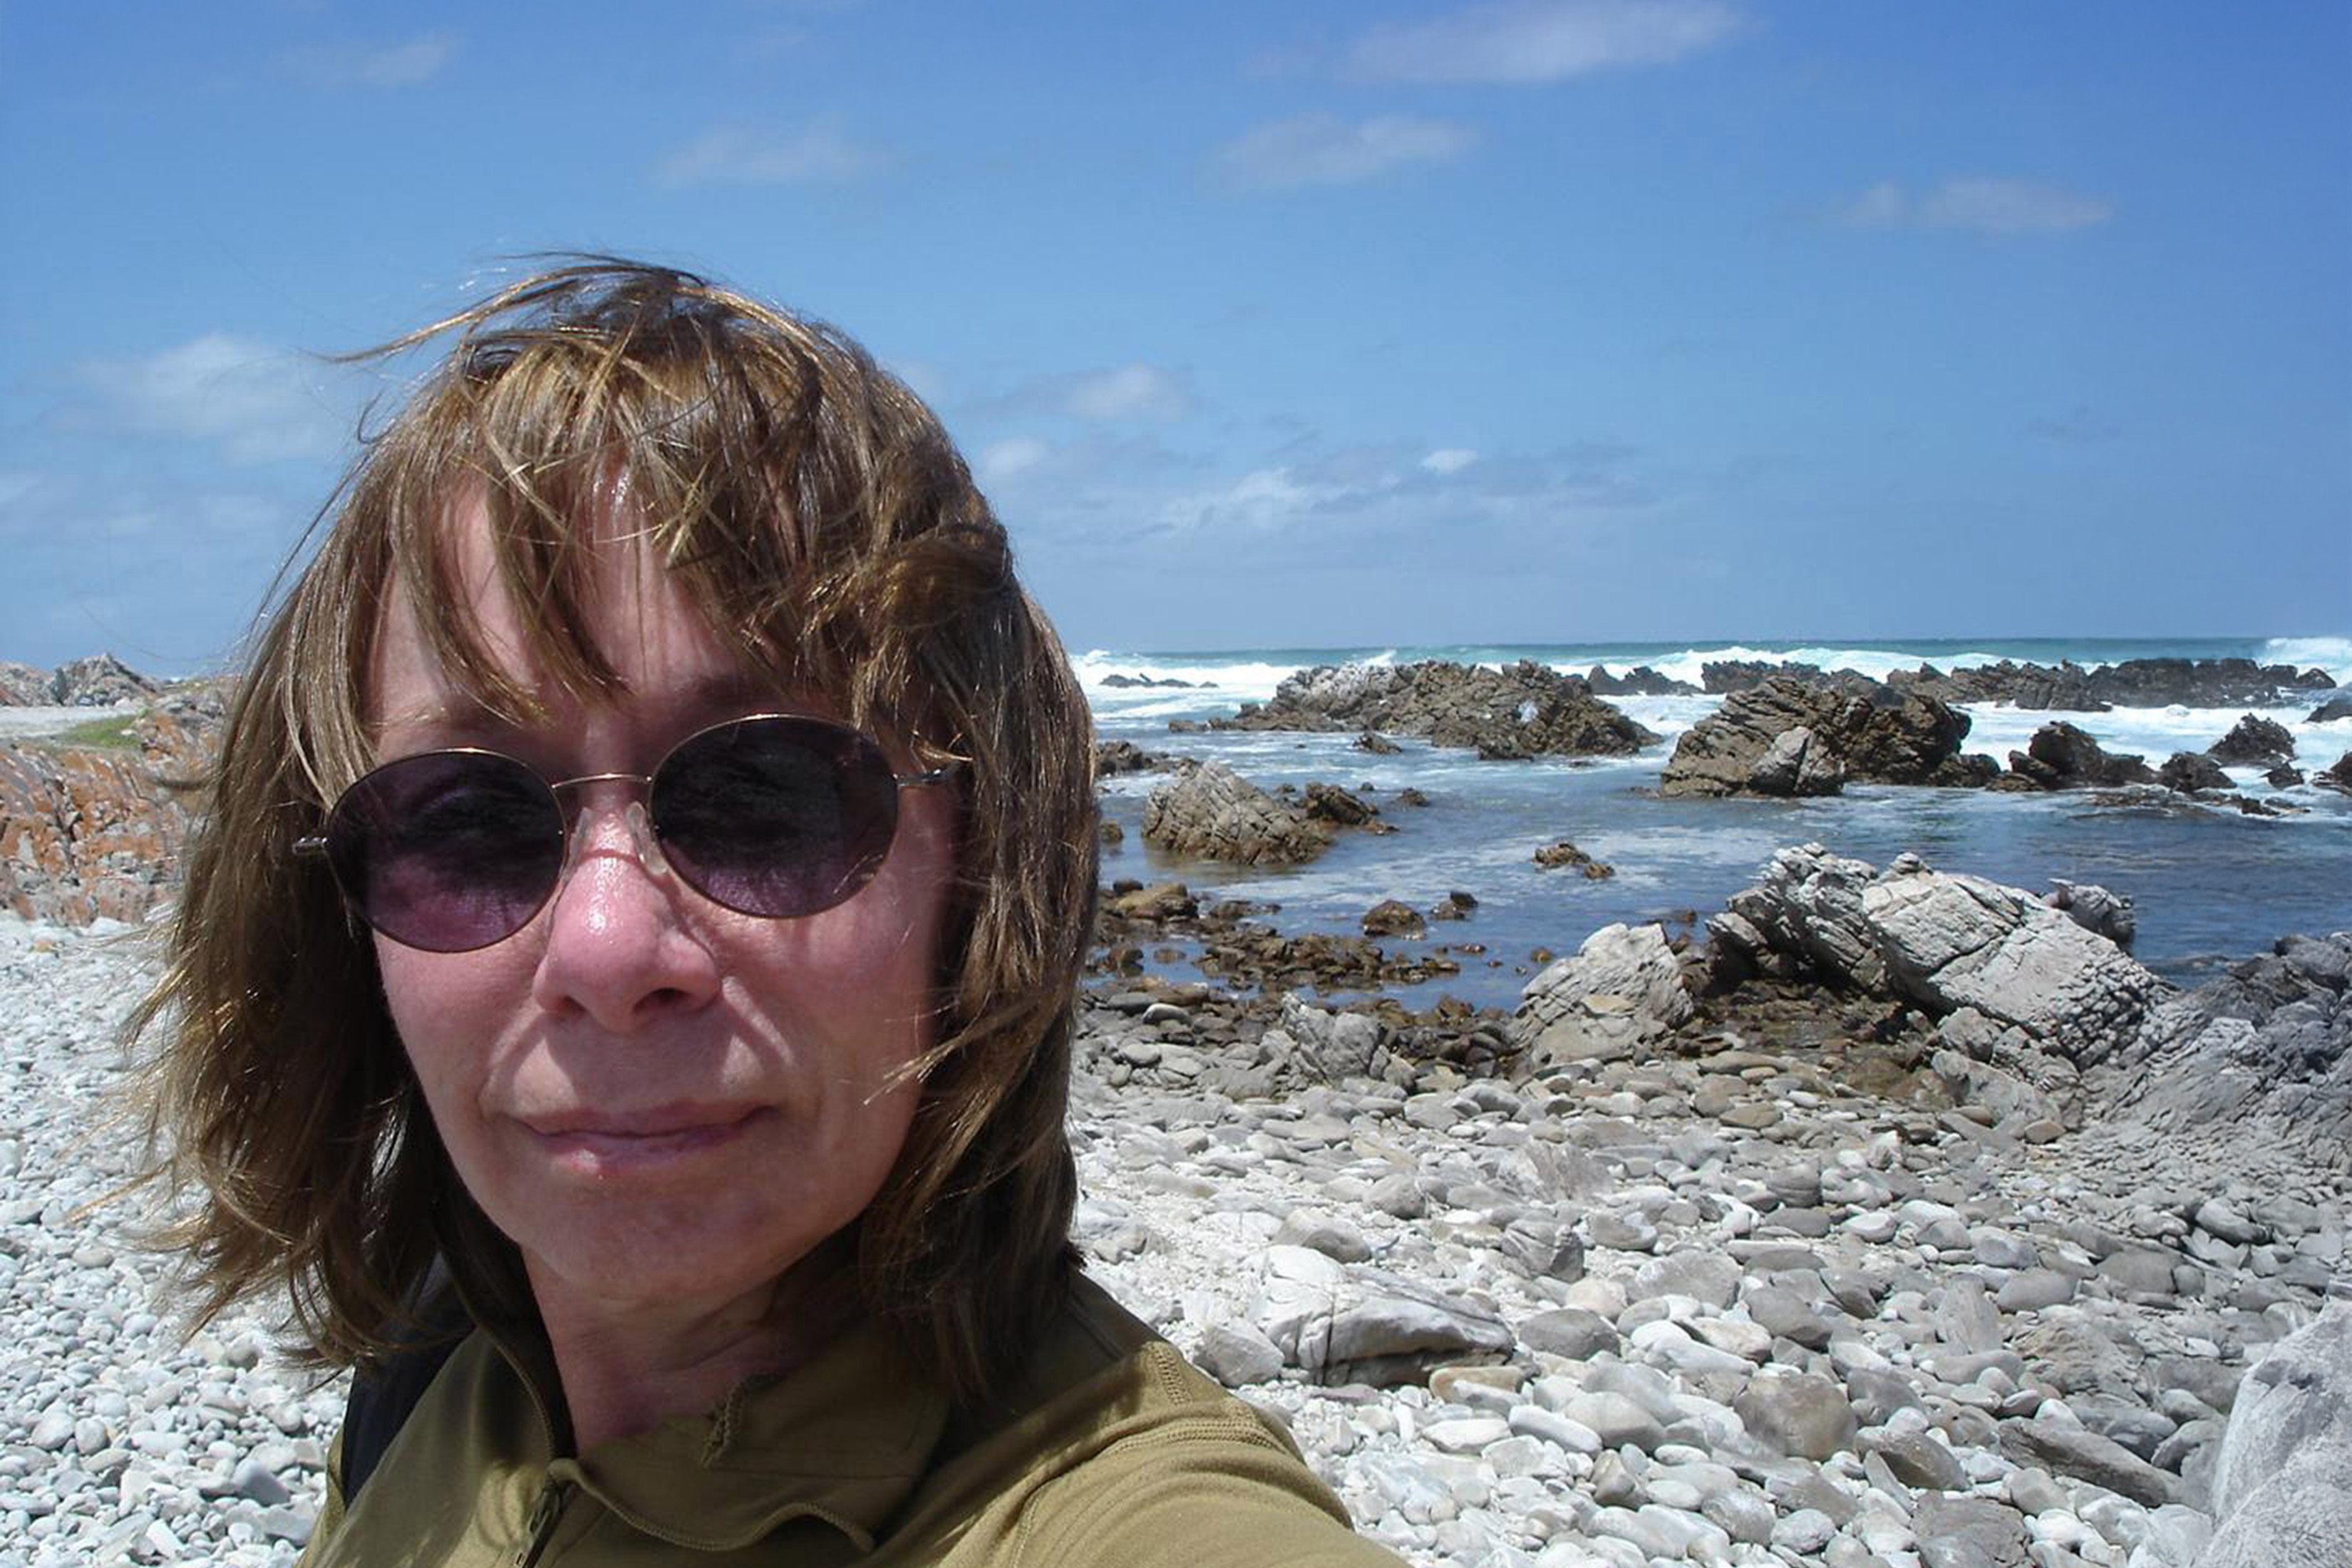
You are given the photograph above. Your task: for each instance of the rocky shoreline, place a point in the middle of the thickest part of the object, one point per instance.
(1883, 1218)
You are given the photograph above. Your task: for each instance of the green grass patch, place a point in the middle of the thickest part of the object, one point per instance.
(111, 733)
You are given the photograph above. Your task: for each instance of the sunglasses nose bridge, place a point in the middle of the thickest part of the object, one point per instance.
(640, 823)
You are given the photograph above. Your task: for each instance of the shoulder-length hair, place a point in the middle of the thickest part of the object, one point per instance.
(821, 524)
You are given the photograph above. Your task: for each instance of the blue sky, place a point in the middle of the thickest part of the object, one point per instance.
(1275, 324)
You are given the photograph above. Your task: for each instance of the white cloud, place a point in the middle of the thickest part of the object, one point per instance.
(819, 152)
(1002, 460)
(382, 65)
(1975, 203)
(1372, 488)
(1542, 40)
(1261, 499)
(1325, 150)
(250, 400)
(1125, 393)
(1129, 391)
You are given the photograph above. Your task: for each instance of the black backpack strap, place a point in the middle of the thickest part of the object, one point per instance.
(383, 1392)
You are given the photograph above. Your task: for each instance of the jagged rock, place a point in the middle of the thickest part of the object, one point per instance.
(1454, 906)
(99, 681)
(1953, 942)
(1212, 812)
(1526, 709)
(1393, 917)
(2132, 683)
(2283, 777)
(1622, 990)
(1125, 757)
(2327, 712)
(2096, 910)
(2189, 772)
(87, 833)
(1553, 855)
(2061, 756)
(1380, 745)
(2270, 1042)
(1639, 681)
(1159, 902)
(1946, 941)
(1724, 676)
(1322, 1046)
(2254, 741)
(2279, 1494)
(1789, 738)
(22, 686)
(1340, 807)
(1118, 679)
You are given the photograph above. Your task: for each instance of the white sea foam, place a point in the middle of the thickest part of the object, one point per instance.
(1213, 677)
(2332, 655)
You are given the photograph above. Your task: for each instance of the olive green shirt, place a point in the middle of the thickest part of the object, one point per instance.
(1115, 1453)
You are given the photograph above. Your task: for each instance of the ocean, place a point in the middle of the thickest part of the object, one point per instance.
(2210, 886)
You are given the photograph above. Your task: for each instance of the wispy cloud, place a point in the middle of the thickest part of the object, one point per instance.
(338, 67)
(820, 152)
(251, 402)
(1127, 393)
(1318, 149)
(1542, 40)
(1975, 204)
(1009, 459)
(1387, 487)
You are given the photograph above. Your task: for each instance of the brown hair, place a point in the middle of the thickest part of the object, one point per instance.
(821, 523)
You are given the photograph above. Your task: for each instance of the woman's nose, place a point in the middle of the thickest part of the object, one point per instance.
(618, 951)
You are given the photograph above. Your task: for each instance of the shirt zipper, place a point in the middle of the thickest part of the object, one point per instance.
(544, 1513)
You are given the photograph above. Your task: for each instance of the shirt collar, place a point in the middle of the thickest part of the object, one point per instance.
(843, 1439)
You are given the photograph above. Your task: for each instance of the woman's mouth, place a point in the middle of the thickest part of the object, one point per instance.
(602, 1144)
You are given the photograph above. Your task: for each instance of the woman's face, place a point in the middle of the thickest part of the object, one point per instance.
(658, 1099)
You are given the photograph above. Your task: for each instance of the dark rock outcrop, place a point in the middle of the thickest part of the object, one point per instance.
(2061, 756)
(1134, 680)
(2254, 741)
(1526, 709)
(1125, 757)
(1789, 738)
(1724, 676)
(2327, 712)
(2068, 686)
(1639, 681)
(99, 681)
(2189, 772)
(1553, 855)
(2096, 910)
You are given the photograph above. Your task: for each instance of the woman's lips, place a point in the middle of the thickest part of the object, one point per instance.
(604, 1144)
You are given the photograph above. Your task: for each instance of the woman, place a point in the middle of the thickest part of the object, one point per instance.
(623, 985)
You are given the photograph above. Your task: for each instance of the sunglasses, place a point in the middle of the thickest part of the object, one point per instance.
(774, 815)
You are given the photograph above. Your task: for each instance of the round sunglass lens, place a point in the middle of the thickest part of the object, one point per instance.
(776, 816)
(447, 851)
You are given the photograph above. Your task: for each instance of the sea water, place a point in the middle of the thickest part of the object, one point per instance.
(2209, 885)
